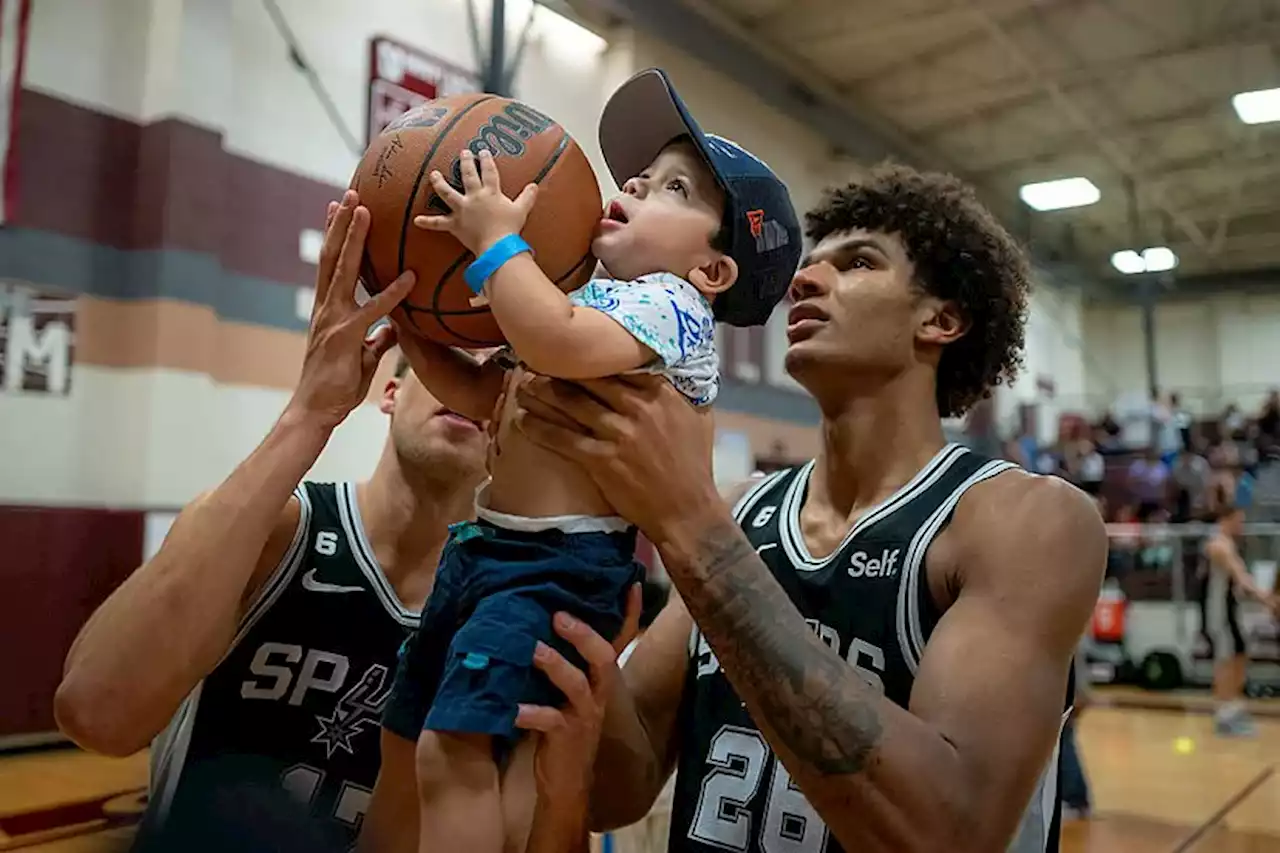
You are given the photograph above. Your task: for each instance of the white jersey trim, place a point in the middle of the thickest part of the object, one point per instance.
(284, 572)
(362, 551)
(169, 755)
(753, 495)
(792, 536)
(169, 748)
(1037, 820)
(910, 632)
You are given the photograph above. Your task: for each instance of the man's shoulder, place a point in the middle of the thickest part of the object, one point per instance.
(1043, 516)
(1036, 501)
(1033, 545)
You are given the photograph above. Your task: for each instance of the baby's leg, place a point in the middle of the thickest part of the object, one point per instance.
(519, 793)
(460, 803)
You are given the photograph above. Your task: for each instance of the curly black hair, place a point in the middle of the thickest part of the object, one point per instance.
(960, 252)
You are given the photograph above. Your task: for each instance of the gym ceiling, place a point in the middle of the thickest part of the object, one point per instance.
(1134, 95)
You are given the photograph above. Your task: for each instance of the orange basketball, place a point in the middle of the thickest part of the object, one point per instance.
(528, 147)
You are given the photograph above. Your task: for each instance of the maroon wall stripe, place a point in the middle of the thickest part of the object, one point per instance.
(165, 185)
(58, 565)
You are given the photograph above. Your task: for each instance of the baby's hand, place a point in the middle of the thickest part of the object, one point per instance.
(481, 215)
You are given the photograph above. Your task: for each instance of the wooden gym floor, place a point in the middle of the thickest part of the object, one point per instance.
(1161, 783)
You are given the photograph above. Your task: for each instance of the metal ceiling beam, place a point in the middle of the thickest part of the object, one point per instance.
(1263, 282)
(994, 97)
(852, 32)
(963, 39)
(1117, 156)
(675, 23)
(1055, 147)
(1241, 159)
(786, 9)
(727, 46)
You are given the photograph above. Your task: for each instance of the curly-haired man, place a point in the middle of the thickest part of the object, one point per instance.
(872, 650)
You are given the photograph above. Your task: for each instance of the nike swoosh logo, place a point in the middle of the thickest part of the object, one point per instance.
(309, 582)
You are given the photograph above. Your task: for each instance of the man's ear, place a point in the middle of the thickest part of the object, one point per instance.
(387, 402)
(943, 322)
(716, 276)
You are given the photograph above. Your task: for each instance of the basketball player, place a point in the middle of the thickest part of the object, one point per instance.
(871, 651)
(267, 626)
(1227, 574)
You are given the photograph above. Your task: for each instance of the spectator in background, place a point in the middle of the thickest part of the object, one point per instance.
(1166, 435)
(1075, 783)
(1049, 461)
(1191, 487)
(1182, 420)
(1148, 481)
(1247, 447)
(1106, 433)
(1014, 453)
(1029, 449)
(1269, 419)
(1231, 423)
(1125, 536)
(1224, 458)
(1090, 468)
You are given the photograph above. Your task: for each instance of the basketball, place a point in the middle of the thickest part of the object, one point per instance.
(528, 147)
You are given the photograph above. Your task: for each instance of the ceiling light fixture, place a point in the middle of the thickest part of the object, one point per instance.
(1153, 259)
(1060, 194)
(1259, 107)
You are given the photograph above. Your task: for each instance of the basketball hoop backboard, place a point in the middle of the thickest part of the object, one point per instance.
(402, 77)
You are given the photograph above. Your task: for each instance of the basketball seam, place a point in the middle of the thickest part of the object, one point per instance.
(422, 169)
(582, 260)
(436, 313)
(467, 312)
(546, 170)
(550, 163)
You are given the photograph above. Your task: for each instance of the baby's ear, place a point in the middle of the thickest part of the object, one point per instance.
(716, 275)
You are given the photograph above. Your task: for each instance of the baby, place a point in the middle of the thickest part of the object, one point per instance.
(702, 231)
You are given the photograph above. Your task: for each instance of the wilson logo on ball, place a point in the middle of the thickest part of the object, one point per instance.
(503, 134)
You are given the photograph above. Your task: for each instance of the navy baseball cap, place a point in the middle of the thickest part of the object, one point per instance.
(641, 119)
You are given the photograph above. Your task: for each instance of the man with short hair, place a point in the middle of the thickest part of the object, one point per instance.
(871, 651)
(265, 630)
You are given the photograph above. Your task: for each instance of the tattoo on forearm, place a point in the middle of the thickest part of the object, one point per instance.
(812, 700)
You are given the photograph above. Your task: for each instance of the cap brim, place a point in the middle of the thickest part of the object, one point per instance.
(639, 120)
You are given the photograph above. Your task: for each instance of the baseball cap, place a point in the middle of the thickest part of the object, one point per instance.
(645, 115)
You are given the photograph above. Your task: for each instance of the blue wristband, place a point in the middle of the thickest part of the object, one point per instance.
(492, 258)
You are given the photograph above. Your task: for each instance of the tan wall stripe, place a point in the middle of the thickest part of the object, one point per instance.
(184, 336)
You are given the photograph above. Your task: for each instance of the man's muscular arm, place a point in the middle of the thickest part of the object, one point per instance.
(956, 770)
(170, 623)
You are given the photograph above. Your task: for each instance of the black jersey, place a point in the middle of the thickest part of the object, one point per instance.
(299, 696)
(870, 602)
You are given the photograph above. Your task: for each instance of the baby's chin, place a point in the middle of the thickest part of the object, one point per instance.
(622, 265)
(609, 258)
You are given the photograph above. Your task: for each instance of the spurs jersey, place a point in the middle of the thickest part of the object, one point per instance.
(870, 602)
(298, 699)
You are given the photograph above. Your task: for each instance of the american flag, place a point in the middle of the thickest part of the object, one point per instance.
(14, 15)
